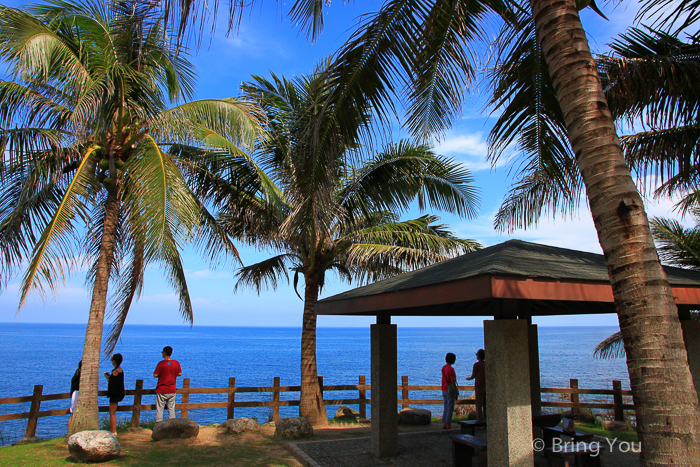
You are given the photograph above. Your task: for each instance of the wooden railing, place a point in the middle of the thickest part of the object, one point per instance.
(35, 400)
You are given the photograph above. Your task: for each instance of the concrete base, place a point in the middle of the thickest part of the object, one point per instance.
(508, 393)
(691, 336)
(385, 420)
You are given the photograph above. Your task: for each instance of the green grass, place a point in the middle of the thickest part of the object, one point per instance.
(254, 452)
(598, 431)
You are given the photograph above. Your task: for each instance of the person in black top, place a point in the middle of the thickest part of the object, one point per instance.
(115, 390)
(74, 387)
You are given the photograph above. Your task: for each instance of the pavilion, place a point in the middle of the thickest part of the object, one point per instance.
(510, 283)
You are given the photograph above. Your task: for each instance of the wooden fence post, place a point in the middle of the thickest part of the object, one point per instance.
(185, 397)
(231, 397)
(573, 384)
(276, 399)
(33, 411)
(404, 392)
(617, 400)
(138, 394)
(320, 385)
(363, 398)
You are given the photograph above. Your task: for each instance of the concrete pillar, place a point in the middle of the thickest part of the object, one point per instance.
(534, 351)
(385, 420)
(508, 409)
(691, 336)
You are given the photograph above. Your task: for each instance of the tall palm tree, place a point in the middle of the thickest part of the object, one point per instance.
(641, 291)
(337, 215)
(88, 177)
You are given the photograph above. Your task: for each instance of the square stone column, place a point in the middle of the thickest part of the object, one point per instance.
(534, 349)
(691, 336)
(508, 410)
(384, 400)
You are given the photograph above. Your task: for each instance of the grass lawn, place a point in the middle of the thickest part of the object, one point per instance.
(629, 436)
(212, 448)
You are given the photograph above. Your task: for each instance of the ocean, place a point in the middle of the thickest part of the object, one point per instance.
(48, 354)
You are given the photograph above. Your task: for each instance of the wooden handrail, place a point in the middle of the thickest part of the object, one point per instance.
(574, 402)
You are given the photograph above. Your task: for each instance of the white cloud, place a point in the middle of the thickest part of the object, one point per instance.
(468, 148)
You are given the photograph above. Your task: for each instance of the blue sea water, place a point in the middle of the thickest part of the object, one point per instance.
(48, 354)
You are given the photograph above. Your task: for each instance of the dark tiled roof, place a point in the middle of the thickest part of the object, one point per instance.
(511, 258)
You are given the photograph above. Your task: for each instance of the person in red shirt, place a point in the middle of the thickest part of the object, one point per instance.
(450, 390)
(167, 372)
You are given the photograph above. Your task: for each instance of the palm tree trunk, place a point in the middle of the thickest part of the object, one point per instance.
(668, 417)
(86, 416)
(311, 404)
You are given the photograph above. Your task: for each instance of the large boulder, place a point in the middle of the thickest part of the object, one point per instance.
(177, 428)
(413, 416)
(93, 446)
(346, 413)
(240, 425)
(293, 428)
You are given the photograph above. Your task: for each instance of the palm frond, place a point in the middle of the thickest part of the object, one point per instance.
(612, 347)
(677, 245)
(156, 191)
(404, 172)
(129, 288)
(54, 248)
(381, 251)
(265, 273)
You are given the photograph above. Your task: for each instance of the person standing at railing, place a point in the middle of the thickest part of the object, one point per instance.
(479, 377)
(167, 372)
(74, 387)
(450, 390)
(115, 390)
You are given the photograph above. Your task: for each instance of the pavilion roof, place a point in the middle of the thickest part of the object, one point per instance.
(514, 270)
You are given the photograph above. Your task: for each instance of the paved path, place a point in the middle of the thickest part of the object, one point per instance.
(419, 449)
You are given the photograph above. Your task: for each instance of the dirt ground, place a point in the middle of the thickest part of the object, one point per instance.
(218, 439)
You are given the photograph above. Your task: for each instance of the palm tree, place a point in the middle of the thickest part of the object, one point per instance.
(337, 215)
(87, 176)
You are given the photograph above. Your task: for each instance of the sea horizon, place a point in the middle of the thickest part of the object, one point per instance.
(48, 353)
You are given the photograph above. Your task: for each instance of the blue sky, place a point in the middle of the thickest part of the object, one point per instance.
(267, 42)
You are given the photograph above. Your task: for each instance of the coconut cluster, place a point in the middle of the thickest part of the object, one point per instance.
(103, 174)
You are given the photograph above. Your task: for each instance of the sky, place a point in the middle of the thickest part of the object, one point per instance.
(266, 42)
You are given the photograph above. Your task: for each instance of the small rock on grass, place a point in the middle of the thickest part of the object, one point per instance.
(177, 428)
(293, 427)
(240, 425)
(93, 446)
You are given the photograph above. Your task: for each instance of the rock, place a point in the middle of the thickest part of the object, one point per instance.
(293, 427)
(471, 415)
(93, 446)
(240, 425)
(346, 413)
(586, 416)
(615, 426)
(177, 428)
(413, 416)
(30, 440)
